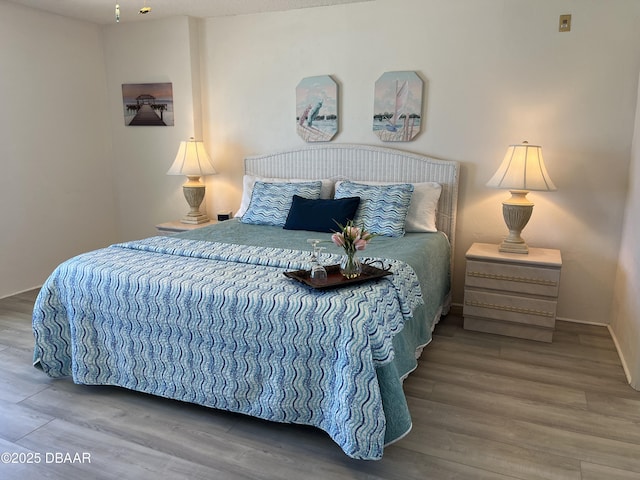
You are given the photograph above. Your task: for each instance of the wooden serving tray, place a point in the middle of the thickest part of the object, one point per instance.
(335, 278)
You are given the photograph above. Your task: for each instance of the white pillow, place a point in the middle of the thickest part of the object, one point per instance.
(248, 181)
(423, 207)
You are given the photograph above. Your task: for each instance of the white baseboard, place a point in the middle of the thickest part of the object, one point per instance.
(627, 373)
(573, 320)
(456, 309)
(21, 291)
(598, 324)
(625, 367)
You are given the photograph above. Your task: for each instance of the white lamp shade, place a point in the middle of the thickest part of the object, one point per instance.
(522, 169)
(192, 160)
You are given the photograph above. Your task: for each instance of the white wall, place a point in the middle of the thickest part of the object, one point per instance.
(56, 197)
(496, 72)
(625, 318)
(149, 52)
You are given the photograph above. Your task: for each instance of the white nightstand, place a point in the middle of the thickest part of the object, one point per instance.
(176, 226)
(512, 294)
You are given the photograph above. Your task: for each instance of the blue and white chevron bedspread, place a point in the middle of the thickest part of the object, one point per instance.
(220, 325)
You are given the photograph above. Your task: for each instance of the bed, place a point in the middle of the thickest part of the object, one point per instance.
(209, 317)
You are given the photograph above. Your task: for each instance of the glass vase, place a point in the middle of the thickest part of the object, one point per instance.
(350, 266)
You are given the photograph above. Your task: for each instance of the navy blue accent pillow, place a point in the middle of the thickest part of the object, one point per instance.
(320, 215)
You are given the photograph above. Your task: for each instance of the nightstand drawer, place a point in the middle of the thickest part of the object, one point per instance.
(513, 278)
(510, 308)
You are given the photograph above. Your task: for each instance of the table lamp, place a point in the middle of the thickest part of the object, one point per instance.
(193, 161)
(521, 170)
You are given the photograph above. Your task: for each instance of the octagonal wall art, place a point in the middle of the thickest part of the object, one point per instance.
(397, 107)
(317, 108)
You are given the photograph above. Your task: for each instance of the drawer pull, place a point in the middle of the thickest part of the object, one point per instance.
(510, 278)
(507, 308)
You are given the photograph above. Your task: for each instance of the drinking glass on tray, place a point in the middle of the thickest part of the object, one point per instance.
(317, 274)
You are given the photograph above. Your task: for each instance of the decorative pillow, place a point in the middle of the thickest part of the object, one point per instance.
(322, 215)
(248, 181)
(271, 202)
(421, 216)
(383, 208)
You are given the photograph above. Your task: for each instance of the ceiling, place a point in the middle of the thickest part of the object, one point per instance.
(103, 11)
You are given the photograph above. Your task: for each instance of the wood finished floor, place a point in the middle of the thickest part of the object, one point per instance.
(483, 406)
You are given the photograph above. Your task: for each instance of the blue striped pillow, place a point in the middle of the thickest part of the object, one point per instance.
(270, 202)
(383, 208)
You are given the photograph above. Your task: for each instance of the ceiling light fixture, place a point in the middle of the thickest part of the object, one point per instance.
(144, 10)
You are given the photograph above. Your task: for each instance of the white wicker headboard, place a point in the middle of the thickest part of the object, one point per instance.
(365, 162)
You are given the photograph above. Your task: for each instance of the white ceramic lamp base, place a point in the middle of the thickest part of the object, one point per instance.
(194, 193)
(516, 212)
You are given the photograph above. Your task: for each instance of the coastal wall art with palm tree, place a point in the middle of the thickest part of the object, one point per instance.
(147, 104)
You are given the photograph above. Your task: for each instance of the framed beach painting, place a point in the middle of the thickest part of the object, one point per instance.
(317, 108)
(397, 108)
(147, 104)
